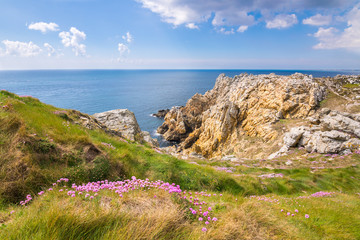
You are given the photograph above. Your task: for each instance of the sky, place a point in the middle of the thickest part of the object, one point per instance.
(179, 34)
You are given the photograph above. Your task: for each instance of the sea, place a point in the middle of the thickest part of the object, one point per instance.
(143, 92)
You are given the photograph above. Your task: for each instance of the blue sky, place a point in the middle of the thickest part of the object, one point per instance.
(163, 34)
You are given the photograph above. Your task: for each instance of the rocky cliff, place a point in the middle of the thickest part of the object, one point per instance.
(125, 124)
(245, 109)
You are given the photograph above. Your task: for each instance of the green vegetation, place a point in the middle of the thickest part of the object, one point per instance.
(349, 85)
(40, 144)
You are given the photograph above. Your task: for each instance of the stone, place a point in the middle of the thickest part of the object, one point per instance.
(147, 138)
(161, 113)
(124, 123)
(121, 120)
(243, 105)
(292, 137)
(337, 132)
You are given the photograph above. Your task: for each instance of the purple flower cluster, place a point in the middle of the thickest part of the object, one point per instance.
(57, 112)
(272, 175)
(226, 169)
(90, 190)
(109, 145)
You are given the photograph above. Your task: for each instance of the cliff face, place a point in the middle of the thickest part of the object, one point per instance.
(246, 105)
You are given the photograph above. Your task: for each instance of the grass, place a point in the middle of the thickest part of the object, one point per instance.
(351, 85)
(40, 143)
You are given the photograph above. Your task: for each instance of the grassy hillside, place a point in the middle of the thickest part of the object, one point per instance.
(40, 144)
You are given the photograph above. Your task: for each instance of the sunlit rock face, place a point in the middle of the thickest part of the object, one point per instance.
(213, 123)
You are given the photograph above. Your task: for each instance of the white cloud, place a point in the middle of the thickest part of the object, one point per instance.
(282, 21)
(72, 39)
(227, 32)
(50, 49)
(232, 18)
(349, 38)
(44, 27)
(22, 49)
(192, 26)
(242, 28)
(235, 13)
(123, 49)
(318, 20)
(128, 37)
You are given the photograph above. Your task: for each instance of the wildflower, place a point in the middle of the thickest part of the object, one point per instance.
(73, 195)
(200, 218)
(296, 210)
(288, 213)
(307, 216)
(12, 212)
(292, 215)
(282, 210)
(204, 229)
(214, 219)
(41, 193)
(206, 222)
(209, 208)
(91, 197)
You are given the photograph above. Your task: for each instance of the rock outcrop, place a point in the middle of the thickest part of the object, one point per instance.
(124, 122)
(330, 132)
(246, 105)
(161, 113)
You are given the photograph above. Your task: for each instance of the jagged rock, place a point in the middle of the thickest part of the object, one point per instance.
(147, 138)
(337, 132)
(124, 122)
(292, 137)
(245, 105)
(121, 120)
(161, 113)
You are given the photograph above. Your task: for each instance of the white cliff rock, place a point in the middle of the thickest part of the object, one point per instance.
(124, 122)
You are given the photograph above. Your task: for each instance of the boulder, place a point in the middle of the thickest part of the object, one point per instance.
(161, 113)
(338, 132)
(125, 124)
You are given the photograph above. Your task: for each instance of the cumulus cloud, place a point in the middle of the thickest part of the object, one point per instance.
(192, 26)
(22, 49)
(72, 39)
(123, 49)
(282, 21)
(128, 37)
(44, 27)
(50, 49)
(227, 32)
(242, 28)
(349, 38)
(235, 13)
(318, 20)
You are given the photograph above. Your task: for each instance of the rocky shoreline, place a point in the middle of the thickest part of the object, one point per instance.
(247, 112)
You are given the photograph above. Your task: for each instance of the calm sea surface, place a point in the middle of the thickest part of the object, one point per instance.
(141, 91)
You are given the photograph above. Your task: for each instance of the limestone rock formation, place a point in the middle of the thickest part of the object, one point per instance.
(245, 105)
(124, 122)
(161, 113)
(335, 132)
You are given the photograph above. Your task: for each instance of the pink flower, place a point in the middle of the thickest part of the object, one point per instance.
(12, 212)
(288, 213)
(204, 229)
(307, 216)
(200, 218)
(91, 197)
(292, 215)
(209, 208)
(282, 210)
(296, 210)
(206, 222)
(214, 219)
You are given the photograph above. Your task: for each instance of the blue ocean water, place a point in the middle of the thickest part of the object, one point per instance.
(142, 91)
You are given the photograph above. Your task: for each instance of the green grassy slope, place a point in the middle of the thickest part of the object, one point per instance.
(40, 143)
